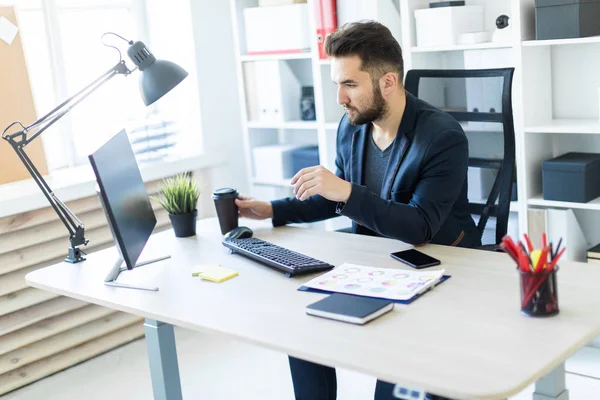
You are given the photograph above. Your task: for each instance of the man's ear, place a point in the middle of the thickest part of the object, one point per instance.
(388, 83)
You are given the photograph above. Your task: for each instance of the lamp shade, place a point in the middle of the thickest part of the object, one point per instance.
(157, 77)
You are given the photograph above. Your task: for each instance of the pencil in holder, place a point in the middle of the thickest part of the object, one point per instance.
(539, 296)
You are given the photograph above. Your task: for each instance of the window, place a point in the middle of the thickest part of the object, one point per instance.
(64, 52)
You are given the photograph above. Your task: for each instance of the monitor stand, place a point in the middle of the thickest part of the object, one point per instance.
(111, 278)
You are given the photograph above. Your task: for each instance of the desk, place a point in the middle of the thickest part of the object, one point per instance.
(466, 339)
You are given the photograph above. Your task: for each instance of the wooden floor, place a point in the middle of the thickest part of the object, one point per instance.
(213, 368)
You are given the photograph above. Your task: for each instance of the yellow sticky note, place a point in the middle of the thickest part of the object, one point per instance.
(218, 274)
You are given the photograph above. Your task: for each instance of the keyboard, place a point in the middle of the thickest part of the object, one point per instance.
(278, 257)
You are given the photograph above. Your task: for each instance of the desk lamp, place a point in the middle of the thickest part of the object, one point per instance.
(156, 79)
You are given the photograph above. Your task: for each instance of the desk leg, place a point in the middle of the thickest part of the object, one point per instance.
(552, 386)
(162, 355)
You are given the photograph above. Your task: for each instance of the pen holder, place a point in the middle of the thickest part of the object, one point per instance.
(539, 297)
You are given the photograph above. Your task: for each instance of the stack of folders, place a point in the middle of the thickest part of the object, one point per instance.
(349, 308)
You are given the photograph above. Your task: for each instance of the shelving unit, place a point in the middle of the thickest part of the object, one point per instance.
(559, 114)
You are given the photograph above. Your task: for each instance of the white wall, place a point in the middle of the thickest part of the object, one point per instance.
(217, 86)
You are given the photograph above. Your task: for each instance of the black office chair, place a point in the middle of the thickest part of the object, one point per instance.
(481, 101)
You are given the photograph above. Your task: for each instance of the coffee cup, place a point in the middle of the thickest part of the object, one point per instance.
(227, 210)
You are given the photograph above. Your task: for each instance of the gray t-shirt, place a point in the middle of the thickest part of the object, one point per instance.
(376, 162)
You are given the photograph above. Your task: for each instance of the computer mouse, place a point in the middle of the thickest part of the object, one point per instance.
(241, 232)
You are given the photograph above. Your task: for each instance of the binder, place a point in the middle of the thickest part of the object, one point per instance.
(326, 22)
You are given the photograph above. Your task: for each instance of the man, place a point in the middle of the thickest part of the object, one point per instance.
(401, 169)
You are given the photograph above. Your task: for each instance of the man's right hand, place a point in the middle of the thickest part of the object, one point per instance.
(253, 209)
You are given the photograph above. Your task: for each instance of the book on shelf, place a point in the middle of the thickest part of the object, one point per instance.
(593, 254)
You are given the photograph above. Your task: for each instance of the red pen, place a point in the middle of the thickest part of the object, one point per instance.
(508, 251)
(509, 245)
(524, 262)
(544, 240)
(509, 240)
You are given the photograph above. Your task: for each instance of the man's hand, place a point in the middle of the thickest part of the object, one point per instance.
(254, 209)
(319, 180)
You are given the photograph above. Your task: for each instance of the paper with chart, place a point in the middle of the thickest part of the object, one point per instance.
(386, 283)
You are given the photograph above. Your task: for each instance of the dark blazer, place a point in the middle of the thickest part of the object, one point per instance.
(424, 192)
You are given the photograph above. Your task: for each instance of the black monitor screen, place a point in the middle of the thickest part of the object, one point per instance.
(124, 196)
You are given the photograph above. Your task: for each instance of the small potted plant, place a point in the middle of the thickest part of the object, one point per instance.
(179, 196)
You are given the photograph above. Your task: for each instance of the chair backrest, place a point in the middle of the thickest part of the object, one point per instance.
(481, 101)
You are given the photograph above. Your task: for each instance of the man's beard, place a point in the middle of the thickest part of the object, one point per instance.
(374, 112)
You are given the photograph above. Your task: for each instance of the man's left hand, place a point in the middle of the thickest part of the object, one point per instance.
(319, 180)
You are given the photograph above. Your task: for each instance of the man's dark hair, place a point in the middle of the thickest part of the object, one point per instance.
(372, 42)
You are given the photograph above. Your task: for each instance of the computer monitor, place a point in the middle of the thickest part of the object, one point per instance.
(125, 202)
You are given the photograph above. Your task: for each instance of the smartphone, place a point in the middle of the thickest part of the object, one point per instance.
(415, 258)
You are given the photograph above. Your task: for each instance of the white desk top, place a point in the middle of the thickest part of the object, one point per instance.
(465, 339)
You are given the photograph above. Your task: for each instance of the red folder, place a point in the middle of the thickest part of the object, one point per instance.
(326, 21)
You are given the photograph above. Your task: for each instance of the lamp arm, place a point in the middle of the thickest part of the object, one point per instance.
(19, 140)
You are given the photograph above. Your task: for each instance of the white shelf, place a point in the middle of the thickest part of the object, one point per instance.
(580, 126)
(332, 125)
(460, 47)
(282, 125)
(557, 42)
(282, 56)
(539, 201)
(281, 183)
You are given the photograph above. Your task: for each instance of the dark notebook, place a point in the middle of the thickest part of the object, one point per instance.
(349, 308)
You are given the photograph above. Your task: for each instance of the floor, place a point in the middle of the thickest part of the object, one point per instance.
(214, 368)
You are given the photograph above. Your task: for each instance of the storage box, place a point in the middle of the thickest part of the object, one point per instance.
(282, 29)
(441, 26)
(273, 163)
(305, 157)
(572, 177)
(562, 19)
